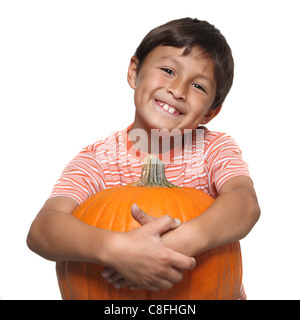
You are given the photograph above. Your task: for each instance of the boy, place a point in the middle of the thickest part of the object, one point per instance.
(181, 74)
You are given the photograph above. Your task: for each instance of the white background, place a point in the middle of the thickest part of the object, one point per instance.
(63, 85)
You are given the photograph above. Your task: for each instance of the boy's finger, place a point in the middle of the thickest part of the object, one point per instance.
(164, 224)
(143, 218)
(183, 262)
(121, 283)
(140, 216)
(107, 272)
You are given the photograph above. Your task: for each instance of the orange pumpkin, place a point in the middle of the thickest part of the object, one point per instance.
(218, 273)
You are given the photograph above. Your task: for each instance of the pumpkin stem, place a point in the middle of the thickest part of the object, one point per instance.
(153, 174)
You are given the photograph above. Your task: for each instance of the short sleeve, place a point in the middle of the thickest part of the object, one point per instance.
(223, 161)
(81, 178)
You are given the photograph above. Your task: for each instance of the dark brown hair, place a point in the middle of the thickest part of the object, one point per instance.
(188, 33)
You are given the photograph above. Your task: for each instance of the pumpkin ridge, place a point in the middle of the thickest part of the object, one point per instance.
(102, 211)
(191, 197)
(119, 213)
(236, 246)
(88, 204)
(185, 216)
(179, 207)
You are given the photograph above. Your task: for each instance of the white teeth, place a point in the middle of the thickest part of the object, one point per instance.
(166, 107)
(172, 110)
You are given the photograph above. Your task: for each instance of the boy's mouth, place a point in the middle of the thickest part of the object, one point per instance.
(172, 110)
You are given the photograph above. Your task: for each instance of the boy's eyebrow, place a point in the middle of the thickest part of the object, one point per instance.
(169, 58)
(175, 61)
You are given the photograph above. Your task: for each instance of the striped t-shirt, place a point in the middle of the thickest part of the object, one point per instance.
(204, 160)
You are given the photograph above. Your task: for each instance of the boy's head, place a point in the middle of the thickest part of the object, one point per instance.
(188, 33)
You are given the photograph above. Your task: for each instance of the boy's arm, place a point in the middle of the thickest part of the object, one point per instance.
(231, 217)
(57, 235)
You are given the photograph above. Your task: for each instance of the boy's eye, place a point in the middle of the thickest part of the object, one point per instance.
(167, 70)
(198, 86)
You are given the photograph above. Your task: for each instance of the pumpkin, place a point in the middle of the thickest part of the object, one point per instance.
(217, 275)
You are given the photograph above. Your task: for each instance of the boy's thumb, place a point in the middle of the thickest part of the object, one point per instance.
(140, 216)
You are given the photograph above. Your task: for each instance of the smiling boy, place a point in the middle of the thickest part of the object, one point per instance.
(181, 74)
(182, 85)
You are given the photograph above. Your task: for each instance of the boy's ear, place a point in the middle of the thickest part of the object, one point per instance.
(132, 72)
(211, 113)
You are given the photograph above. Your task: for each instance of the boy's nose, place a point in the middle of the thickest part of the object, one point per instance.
(177, 89)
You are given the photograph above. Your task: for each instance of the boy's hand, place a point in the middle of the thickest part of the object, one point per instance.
(155, 266)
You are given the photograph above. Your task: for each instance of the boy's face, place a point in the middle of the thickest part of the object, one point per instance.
(173, 91)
